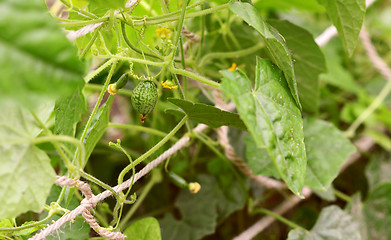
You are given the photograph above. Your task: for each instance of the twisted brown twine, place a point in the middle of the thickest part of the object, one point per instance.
(193, 38)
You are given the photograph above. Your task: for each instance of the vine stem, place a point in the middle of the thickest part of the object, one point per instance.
(384, 70)
(369, 110)
(62, 138)
(83, 135)
(142, 129)
(140, 199)
(99, 183)
(233, 54)
(279, 218)
(99, 70)
(194, 76)
(142, 61)
(83, 23)
(177, 12)
(342, 195)
(156, 147)
(83, 12)
(180, 25)
(174, 18)
(14, 229)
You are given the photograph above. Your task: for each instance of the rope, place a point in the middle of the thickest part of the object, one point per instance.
(377, 62)
(193, 38)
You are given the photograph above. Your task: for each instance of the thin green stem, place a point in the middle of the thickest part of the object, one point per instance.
(14, 229)
(157, 146)
(184, 67)
(99, 183)
(180, 25)
(99, 70)
(76, 9)
(58, 148)
(342, 195)
(194, 76)
(129, 43)
(92, 40)
(229, 32)
(142, 61)
(99, 87)
(123, 173)
(142, 129)
(68, 163)
(62, 138)
(369, 110)
(233, 54)
(138, 202)
(279, 218)
(109, 76)
(94, 111)
(148, 21)
(177, 12)
(83, 22)
(199, 52)
(163, 6)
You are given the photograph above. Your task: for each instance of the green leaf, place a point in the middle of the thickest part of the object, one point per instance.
(25, 174)
(275, 44)
(98, 127)
(229, 190)
(259, 160)
(378, 170)
(209, 115)
(327, 195)
(355, 209)
(18, 125)
(37, 60)
(377, 212)
(68, 112)
(337, 74)
(25, 179)
(200, 212)
(309, 5)
(323, 165)
(272, 117)
(347, 16)
(332, 224)
(146, 228)
(78, 229)
(309, 61)
(327, 151)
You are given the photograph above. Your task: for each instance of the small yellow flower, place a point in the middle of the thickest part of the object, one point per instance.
(233, 67)
(163, 32)
(194, 187)
(111, 89)
(169, 84)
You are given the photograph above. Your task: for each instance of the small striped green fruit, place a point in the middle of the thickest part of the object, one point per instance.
(144, 97)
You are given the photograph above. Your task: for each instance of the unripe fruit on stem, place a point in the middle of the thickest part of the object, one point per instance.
(144, 97)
